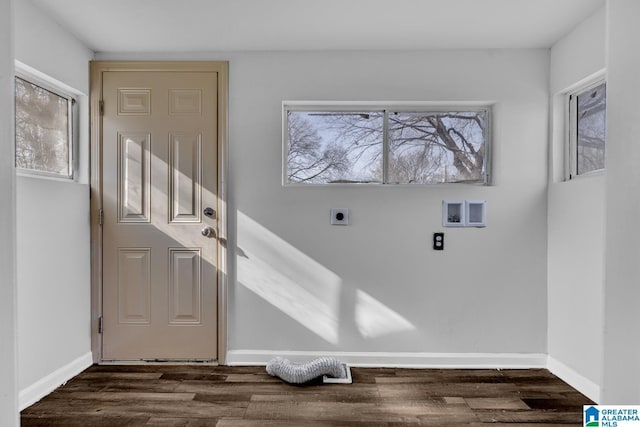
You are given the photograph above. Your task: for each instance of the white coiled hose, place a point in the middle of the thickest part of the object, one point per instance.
(302, 373)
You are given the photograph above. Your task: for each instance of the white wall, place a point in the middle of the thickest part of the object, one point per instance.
(576, 225)
(376, 285)
(579, 53)
(621, 373)
(53, 229)
(8, 325)
(484, 294)
(575, 58)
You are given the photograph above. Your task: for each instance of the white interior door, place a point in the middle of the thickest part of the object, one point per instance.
(159, 181)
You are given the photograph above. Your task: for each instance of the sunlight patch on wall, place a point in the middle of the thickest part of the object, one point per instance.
(374, 319)
(288, 279)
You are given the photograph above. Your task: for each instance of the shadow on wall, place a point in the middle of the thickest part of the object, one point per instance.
(304, 289)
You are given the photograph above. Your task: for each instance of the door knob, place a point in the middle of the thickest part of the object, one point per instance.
(208, 232)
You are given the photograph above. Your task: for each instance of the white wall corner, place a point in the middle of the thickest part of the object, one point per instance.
(36, 391)
(9, 416)
(574, 379)
(398, 360)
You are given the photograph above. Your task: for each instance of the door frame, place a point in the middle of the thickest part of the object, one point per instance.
(97, 68)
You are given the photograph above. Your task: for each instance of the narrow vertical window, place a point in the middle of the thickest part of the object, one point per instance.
(43, 120)
(588, 110)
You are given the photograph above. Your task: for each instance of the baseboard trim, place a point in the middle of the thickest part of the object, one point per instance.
(36, 391)
(398, 360)
(574, 379)
(33, 393)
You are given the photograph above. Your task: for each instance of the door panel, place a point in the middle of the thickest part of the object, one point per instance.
(159, 148)
(134, 285)
(185, 165)
(185, 286)
(133, 177)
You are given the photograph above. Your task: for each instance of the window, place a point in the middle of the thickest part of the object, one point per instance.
(386, 145)
(587, 124)
(44, 129)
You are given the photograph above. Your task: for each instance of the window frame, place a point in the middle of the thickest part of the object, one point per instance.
(49, 84)
(386, 108)
(571, 120)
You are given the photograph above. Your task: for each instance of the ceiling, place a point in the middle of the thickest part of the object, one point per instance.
(242, 25)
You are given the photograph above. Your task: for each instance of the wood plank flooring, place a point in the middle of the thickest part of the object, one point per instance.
(222, 396)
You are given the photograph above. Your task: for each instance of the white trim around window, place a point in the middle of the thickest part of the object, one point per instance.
(30, 77)
(386, 143)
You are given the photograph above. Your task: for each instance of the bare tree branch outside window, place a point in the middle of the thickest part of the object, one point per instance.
(321, 149)
(591, 129)
(422, 147)
(428, 148)
(42, 130)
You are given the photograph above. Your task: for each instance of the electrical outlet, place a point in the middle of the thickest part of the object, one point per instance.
(339, 216)
(438, 241)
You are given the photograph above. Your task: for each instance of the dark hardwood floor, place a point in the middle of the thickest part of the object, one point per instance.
(171, 395)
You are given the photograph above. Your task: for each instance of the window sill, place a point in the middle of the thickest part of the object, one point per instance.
(589, 175)
(44, 176)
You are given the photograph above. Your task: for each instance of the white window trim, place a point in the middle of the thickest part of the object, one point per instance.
(571, 137)
(384, 107)
(63, 90)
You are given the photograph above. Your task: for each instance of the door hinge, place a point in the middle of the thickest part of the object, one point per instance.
(100, 217)
(101, 103)
(100, 324)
